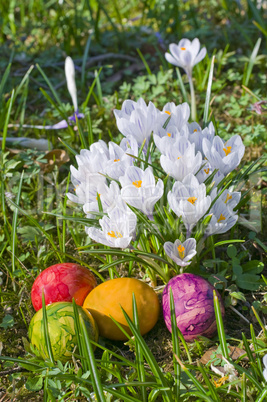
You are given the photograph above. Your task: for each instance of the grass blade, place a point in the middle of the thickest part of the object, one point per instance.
(259, 321)
(262, 397)
(85, 103)
(52, 89)
(85, 55)
(80, 338)
(176, 348)
(144, 61)
(181, 84)
(197, 384)
(24, 79)
(35, 223)
(96, 382)
(14, 224)
(208, 94)
(3, 81)
(251, 63)
(9, 108)
(211, 387)
(45, 329)
(138, 351)
(167, 394)
(220, 326)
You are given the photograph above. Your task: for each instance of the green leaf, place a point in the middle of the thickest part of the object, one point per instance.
(248, 282)
(237, 270)
(231, 251)
(34, 383)
(238, 295)
(8, 322)
(253, 267)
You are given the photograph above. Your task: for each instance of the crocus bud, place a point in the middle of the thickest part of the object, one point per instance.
(70, 77)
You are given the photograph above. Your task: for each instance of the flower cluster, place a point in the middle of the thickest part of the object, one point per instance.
(113, 180)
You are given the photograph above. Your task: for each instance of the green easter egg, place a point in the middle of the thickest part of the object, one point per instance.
(60, 318)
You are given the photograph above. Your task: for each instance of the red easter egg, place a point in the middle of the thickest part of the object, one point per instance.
(61, 283)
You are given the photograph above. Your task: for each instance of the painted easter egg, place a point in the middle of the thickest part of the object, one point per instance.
(194, 309)
(107, 299)
(60, 319)
(62, 282)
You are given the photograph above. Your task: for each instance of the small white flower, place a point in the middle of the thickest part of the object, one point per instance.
(96, 162)
(118, 160)
(197, 135)
(188, 200)
(180, 252)
(85, 184)
(100, 147)
(140, 190)
(224, 156)
(186, 54)
(170, 132)
(229, 198)
(178, 157)
(129, 145)
(206, 171)
(223, 218)
(91, 167)
(137, 120)
(95, 159)
(173, 115)
(128, 107)
(118, 228)
(107, 195)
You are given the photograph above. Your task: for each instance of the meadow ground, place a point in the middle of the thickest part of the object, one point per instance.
(118, 49)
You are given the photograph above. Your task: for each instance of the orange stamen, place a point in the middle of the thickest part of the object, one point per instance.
(137, 183)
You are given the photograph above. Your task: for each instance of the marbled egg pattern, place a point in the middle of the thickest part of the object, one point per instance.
(193, 299)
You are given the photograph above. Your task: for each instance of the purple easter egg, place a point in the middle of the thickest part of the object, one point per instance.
(194, 309)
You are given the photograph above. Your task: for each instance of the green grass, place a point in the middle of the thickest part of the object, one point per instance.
(118, 59)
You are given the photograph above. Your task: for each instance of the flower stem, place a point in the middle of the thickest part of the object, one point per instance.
(193, 100)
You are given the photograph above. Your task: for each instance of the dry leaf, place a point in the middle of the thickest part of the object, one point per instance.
(55, 157)
(235, 353)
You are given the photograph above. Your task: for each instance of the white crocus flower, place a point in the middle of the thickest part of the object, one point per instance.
(85, 184)
(108, 196)
(224, 156)
(186, 54)
(140, 190)
(178, 157)
(180, 252)
(174, 115)
(128, 107)
(70, 78)
(117, 229)
(196, 134)
(91, 168)
(223, 218)
(118, 160)
(170, 131)
(93, 162)
(139, 123)
(264, 361)
(205, 171)
(188, 200)
(129, 145)
(229, 198)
